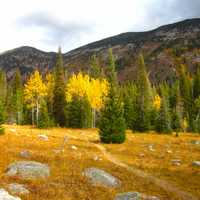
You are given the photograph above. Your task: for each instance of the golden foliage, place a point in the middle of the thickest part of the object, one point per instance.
(157, 102)
(84, 86)
(34, 89)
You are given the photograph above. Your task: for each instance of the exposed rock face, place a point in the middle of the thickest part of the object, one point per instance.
(28, 170)
(161, 47)
(4, 195)
(98, 176)
(18, 189)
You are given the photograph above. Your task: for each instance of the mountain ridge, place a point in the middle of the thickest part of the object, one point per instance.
(161, 46)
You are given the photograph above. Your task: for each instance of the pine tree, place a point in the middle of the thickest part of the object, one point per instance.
(95, 70)
(112, 123)
(144, 101)
(164, 121)
(129, 99)
(59, 103)
(43, 120)
(17, 98)
(3, 96)
(196, 84)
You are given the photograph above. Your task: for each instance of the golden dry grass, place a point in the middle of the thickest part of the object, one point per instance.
(66, 181)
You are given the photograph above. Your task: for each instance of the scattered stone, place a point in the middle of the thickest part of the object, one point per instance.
(28, 170)
(128, 196)
(43, 137)
(97, 158)
(142, 155)
(134, 196)
(195, 142)
(25, 154)
(196, 163)
(176, 162)
(98, 176)
(4, 195)
(169, 151)
(18, 189)
(74, 147)
(151, 147)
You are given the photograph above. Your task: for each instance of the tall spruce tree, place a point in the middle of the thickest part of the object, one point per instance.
(3, 96)
(144, 101)
(112, 123)
(17, 98)
(164, 120)
(59, 102)
(95, 70)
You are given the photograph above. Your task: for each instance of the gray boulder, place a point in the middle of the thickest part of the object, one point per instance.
(134, 196)
(196, 163)
(195, 142)
(25, 154)
(98, 176)
(4, 195)
(28, 170)
(128, 196)
(19, 189)
(43, 137)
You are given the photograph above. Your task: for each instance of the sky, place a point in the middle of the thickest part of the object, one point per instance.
(47, 24)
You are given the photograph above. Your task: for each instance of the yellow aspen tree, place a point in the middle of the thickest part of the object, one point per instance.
(93, 89)
(34, 91)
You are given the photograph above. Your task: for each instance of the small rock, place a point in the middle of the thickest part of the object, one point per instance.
(169, 151)
(18, 189)
(142, 155)
(196, 163)
(74, 147)
(25, 154)
(98, 176)
(97, 158)
(151, 147)
(176, 162)
(134, 196)
(195, 142)
(13, 130)
(4, 195)
(43, 137)
(128, 196)
(28, 170)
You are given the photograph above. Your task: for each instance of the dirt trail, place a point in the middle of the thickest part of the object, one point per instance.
(161, 183)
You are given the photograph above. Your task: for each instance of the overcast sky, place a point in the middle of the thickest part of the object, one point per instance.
(47, 24)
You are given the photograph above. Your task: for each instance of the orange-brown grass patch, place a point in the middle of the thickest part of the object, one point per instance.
(67, 182)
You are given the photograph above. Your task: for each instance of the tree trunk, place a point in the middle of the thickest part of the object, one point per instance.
(93, 118)
(37, 112)
(33, 116)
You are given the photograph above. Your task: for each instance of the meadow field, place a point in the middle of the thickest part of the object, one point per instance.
(154, 164)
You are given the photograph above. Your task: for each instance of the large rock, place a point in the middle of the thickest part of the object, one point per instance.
(98, 176)
(134, 196)
(196, 163)
(18, 189)
(28, 170)
(4, 195)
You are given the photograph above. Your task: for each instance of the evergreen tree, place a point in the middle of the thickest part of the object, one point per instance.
(95, 70)
(59, 102)
(112, 123)
(79, 113)
(17, 98)
(196, 84)
(44, 120)
(129, 99)
(144, 101)
(3, 95)
(164, 121)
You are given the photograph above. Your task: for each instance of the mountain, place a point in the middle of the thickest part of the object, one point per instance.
(164, 48)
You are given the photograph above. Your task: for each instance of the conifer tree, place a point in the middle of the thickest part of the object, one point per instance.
(164, 121)
(196, 84)
(112, 123)
(144, 101)
(43, 120)
(95, 70)
(3, 95)
(17, 98)
(59, 103)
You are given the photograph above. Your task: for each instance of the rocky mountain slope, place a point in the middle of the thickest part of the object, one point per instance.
(164, 48)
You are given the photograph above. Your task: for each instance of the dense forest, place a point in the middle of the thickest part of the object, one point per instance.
(96, 99)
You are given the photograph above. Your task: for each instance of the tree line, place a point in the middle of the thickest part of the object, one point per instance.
(97, 99)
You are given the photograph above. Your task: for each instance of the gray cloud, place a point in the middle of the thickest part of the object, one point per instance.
(169, 11)
(56, 32)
